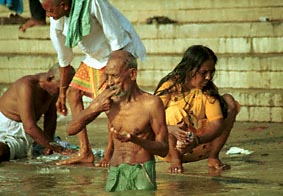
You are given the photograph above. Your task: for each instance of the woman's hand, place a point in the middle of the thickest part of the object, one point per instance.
(178, 132)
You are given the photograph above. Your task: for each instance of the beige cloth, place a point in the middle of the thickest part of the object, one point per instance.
(12, 133)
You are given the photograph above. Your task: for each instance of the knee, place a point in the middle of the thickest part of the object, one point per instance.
(233, 105)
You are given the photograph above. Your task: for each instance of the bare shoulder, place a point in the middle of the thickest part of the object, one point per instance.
(152, 100)
(25, 82)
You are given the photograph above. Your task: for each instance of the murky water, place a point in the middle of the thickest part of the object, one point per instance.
(250, 175)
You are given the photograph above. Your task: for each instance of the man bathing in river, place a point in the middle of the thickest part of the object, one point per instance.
(137, 126)
(21, 107)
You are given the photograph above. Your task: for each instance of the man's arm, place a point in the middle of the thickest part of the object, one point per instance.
(50, 121)
(65, 57)
(26, 108)
(158, 124)
(100, 104)
(64, 84)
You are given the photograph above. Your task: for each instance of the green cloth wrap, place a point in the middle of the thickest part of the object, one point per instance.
(79, 22)
(132, 177)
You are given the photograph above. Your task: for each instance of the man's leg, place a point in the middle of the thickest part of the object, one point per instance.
(85, 154)
(38, 15)
(218, 143)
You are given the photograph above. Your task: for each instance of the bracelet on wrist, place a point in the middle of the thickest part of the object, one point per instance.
(64, 87)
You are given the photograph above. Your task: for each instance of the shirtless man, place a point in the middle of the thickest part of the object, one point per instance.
(137, 126)
(21, 107)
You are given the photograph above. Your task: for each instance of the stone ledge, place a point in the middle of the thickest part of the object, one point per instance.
(209, 15)
(191, 11)
(169, 31)
(159, 62)
(162, 46)
(192, 4)
(238, 71)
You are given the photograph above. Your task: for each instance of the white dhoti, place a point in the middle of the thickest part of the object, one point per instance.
(12, 133)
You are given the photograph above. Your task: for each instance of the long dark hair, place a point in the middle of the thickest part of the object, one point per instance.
(192, 59)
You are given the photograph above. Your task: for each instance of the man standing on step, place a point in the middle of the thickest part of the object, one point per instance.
(97, 28)
(137, 128)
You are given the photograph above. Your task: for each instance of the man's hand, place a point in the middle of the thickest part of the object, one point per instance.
(122, 137)
(61, 104)
(103, 101)
(54, 146)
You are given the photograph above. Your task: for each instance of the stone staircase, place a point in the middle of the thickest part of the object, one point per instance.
(245, 35)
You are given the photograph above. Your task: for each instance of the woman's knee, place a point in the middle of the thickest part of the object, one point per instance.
(233, 105)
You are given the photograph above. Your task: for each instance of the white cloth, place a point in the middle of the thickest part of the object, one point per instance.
(12, 133)
(110, 31)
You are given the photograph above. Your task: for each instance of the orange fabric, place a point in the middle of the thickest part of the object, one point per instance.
(88, 80)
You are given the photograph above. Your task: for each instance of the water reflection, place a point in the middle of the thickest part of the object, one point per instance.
(186, 185)
(25, 178)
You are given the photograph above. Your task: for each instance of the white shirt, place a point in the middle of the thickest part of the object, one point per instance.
(110, 31)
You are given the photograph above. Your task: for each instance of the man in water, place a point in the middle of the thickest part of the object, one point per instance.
(137, 126)
(21, 107)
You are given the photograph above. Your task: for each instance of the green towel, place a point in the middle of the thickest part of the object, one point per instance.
(79, 22)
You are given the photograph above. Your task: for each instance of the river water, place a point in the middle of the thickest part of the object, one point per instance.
(255, 174)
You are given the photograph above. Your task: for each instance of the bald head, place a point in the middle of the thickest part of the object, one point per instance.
(123, 57)
(54, 71)
(52, 2)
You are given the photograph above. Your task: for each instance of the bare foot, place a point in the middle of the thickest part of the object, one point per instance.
(217, 164)
(177, 170)
(176, 167)
(17, 19)
(30, 23)
(78, 157)
(68, 151)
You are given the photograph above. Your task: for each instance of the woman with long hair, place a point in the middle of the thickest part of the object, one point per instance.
(199, 119)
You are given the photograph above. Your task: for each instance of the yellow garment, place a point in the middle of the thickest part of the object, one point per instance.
(193, 107)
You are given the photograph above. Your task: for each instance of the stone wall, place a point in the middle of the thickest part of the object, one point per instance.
(245, 35)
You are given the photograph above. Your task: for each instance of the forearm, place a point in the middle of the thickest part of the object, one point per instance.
(209, 132)
(154, 147)
(64, 80)
(80, 121)
(38, 136)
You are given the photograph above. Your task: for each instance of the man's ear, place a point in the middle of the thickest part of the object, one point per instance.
(133, 74)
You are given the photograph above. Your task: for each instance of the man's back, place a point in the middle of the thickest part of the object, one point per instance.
(25, 92)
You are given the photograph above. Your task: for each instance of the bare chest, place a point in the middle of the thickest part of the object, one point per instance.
(130, 119)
